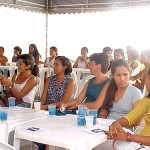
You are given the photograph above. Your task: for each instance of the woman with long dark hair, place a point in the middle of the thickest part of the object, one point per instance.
(23, 85)
(121, 97)
(141, 110)
(35, 53)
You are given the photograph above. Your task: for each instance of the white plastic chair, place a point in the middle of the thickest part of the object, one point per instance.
(37, 93)
(4, 146)
(75, 91)
(37, 90)
(82, 83)
(72, 61)
(74, 76)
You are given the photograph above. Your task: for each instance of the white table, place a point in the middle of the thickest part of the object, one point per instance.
(61, 131)
(16, 116)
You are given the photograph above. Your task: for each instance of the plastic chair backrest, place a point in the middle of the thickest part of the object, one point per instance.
(82, 83)
(37, 90)
(75, 91)
(4, 146)
(74, 76)
(72, 61)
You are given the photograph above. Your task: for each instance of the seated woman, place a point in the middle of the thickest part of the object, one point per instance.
(144, 59)
(143, 108)
(118, 54)
(35, 53)
(99, 63)
(60, 87)
(82, 61)
(23, 85)
(17, 52)
(3, 59)
(121, 97)
(49, 61)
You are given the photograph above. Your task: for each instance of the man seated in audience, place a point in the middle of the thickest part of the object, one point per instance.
(3, 59)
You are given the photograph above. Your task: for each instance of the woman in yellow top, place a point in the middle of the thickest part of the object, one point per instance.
(143, 108)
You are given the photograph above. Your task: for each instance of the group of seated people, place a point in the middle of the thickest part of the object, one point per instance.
(113, 95)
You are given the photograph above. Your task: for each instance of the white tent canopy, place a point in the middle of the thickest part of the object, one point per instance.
(72, 6)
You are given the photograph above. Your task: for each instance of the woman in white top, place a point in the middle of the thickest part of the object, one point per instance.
(49, 61)
(133, 59)
(82, 61)
(23, 85)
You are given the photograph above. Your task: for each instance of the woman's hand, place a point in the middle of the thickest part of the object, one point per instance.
(119, 135)
(5, 81)
(78, 58)
(116, 132)
(72, 104)
(114, 129)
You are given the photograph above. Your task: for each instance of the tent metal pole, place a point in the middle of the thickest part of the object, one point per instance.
(46, 42)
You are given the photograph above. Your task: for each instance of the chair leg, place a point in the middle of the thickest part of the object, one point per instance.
(31, 145)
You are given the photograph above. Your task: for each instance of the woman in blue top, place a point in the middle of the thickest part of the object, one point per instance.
(98, 66)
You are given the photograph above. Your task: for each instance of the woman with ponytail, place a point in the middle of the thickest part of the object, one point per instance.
(23, 85)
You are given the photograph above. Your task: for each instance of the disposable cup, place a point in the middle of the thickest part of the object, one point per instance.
(37, 106)
(89, 121)
(93, 112)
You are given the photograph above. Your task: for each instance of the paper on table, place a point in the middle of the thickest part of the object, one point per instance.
(97, 129)
(42, 131)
